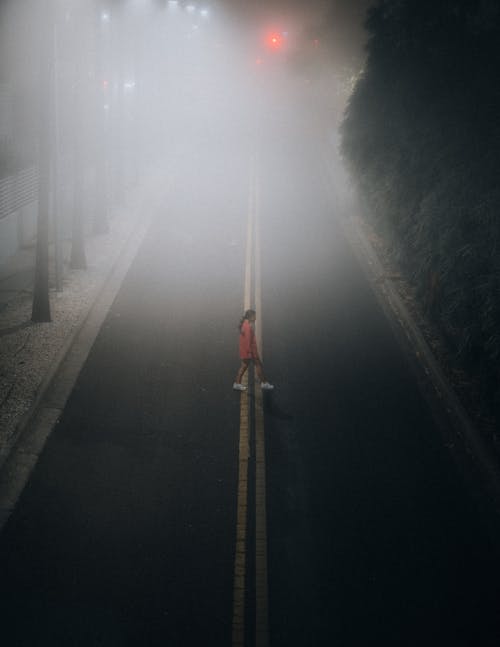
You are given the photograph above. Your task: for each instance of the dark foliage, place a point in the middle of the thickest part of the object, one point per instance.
(421, 136)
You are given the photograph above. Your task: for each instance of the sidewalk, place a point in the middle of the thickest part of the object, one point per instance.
(30, 354)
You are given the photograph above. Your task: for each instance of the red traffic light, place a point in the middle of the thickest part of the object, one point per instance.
(274, 40)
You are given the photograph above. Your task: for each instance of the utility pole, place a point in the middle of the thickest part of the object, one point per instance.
(78, 259)
(56, 215)
(41, 302)
(100, 223)
(118, 112)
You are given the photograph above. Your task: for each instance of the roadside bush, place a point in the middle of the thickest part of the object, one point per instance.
(421, 136)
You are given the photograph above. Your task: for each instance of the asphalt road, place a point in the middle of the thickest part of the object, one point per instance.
(379, 532)
(125, 534)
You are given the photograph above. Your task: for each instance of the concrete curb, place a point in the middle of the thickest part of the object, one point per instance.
(390, 299)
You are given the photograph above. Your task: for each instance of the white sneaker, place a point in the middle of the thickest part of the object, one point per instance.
(239, 387)
(265, 386)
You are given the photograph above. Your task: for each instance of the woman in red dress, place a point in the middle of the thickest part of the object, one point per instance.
(249, 353)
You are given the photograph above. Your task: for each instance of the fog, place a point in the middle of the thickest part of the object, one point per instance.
(115, 87)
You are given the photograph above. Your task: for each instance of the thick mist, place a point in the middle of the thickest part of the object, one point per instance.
(115, 87)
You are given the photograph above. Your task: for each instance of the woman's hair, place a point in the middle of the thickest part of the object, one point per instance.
(247, 315)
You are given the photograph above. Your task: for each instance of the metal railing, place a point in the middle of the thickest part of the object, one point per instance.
(16, 191)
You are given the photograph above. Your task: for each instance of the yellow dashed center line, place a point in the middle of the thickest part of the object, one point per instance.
(239, 581)
(252, 262)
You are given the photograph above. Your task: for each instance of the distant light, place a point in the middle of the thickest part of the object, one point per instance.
(274, 40)
(190, 8)
(129, 85)
(173, 4)
(204, 12)
(106, 106)
(105, 17)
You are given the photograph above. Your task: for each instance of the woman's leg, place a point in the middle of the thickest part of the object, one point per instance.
(259, 370)
(242, 370)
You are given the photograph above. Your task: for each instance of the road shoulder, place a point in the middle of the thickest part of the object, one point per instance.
(42, 361)
(389, 288)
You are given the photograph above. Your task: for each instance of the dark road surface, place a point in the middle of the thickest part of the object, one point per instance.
(125, 534)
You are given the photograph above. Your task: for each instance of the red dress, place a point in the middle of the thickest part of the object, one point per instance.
(248, 343)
